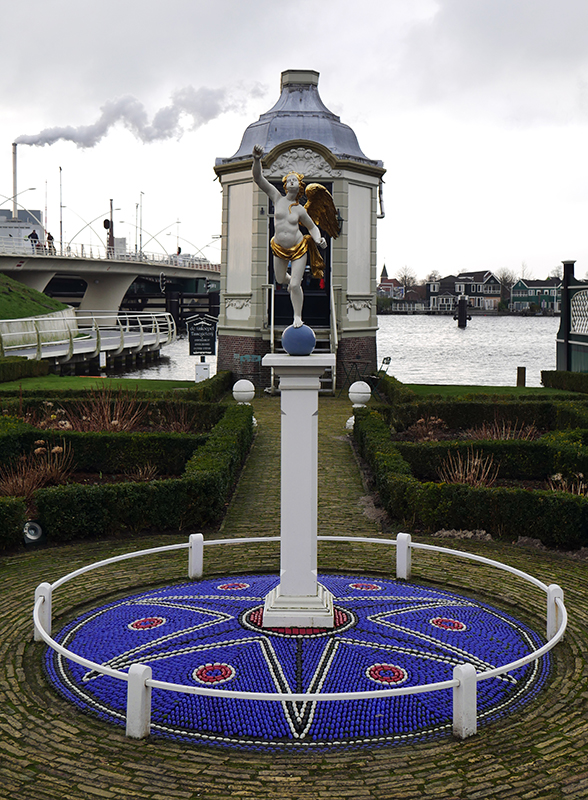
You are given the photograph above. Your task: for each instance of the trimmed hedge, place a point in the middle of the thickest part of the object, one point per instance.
(462, 414)
(16, 437)
(558, 519)
(13, 368)
(206, 415)
(13, 515)
(569, 381)
(198, 498)
(518, 459)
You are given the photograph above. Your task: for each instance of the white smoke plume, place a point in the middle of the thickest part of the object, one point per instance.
(200, 105)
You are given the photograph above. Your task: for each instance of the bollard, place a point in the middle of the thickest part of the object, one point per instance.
(465, 711)
(43, 590)
(521, 376)
(138, 702)
(196, 556)
(554, 592)
(403, 556)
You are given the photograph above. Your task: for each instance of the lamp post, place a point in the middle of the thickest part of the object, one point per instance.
(141, 225)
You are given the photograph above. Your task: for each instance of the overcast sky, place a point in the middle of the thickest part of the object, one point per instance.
(478, 109)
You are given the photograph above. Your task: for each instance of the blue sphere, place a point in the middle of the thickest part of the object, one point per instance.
(298, 341)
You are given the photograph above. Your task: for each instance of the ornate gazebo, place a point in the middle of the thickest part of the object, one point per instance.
(299, 134)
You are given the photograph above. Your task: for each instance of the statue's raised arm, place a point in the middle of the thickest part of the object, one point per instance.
(258, 176)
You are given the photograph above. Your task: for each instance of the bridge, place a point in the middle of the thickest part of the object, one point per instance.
(108, 273)
(71, 337)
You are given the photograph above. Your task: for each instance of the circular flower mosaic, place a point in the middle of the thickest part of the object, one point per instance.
(210, 633)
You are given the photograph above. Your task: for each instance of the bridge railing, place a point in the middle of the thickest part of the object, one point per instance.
(88, 332)
(95, 252)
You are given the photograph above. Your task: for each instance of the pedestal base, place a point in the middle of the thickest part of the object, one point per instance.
(299, 612)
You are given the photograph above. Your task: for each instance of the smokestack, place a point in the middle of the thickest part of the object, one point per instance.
(14, 190)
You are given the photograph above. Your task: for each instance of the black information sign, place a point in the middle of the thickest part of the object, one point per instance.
(202, 336)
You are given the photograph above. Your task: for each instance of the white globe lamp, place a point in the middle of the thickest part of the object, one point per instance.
(243, 391)
(359, 394)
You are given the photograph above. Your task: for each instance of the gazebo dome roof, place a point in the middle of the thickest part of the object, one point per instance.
(300, 114)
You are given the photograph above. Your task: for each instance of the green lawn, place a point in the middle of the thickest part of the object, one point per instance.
(55, 383)
(460, 391)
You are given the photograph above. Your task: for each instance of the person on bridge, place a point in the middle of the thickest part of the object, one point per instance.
(50, 244)
(33, 237)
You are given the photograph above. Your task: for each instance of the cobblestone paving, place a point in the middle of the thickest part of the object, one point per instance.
(49, 751)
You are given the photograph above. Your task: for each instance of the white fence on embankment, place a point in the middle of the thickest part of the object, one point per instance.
(464, 681)
(85, 334)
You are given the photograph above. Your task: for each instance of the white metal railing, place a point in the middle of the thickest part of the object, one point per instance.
(464, 681)
(86, 332)
(95, 252)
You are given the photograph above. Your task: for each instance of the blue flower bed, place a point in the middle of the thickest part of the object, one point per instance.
(387, 633)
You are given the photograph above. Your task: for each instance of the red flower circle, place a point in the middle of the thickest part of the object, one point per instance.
(146, 623)
(213, 673)
(447, 624)
(386, 673)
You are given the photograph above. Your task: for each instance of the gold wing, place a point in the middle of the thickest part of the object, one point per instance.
(321, 209)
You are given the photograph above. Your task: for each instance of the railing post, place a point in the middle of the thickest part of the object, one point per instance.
(554, 592)
(403, 556)
(39, 354)
(43, 590)
(196, 556)
(138, 702)
(465, 716)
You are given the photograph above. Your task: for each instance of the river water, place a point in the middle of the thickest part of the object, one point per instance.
(427, 349)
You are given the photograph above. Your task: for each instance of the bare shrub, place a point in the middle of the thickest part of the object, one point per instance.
(142, 474)
(107, 410)
(427, 429)
(472, 469)
(46, 466)
(176, 418)
(573, 484)
(503, 431)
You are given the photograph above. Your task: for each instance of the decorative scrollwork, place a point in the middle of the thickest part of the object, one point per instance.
(579, 312)
(304, 160)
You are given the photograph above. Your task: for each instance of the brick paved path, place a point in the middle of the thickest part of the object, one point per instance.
(50, 751)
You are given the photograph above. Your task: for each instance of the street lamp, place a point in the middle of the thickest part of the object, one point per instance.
(14, 196)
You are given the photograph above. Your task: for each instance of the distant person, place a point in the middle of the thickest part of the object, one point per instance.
(33, 238)
(50, 244)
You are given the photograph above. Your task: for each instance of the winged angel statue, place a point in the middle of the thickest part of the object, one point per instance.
(289, 245)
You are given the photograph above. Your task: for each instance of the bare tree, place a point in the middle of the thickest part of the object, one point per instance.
(434, 275)
(557, 272)
(406, 277)
(525, 271)
(507, 279)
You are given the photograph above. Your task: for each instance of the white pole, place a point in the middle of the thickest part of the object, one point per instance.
(43, 590)
(554, 592)
(403, 556)
(14, 189)
(196, 556)
(465, 720)
(138, 702)
(299, 600)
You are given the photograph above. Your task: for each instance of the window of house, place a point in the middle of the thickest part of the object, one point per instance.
(460, 288)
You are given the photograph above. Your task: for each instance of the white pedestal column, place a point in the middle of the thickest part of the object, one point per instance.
(299, 600)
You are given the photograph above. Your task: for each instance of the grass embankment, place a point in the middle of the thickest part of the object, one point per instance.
(18, 300)
(454, 391)
(56, 383)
